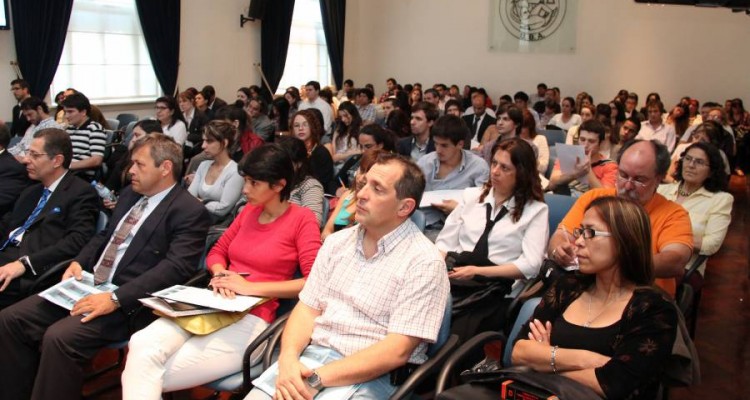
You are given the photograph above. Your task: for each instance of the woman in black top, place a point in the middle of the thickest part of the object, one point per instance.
(307, 127)
(607, 328)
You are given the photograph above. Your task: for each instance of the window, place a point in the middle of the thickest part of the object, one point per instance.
(105, 55)
(307, 57)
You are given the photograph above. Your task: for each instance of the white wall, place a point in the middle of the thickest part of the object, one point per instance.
(673, 50)
(213, 50)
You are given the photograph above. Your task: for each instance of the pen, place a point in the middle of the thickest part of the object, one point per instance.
(221, 274)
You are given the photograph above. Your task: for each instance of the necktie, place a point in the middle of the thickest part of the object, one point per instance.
(482, 248)
(102, 271)
(475, 125)
(30, 220)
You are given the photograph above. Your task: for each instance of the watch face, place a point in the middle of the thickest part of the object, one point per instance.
(314, 381)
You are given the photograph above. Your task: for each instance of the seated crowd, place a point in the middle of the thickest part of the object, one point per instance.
(319, 195)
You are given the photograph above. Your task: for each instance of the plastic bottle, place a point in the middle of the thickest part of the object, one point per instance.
(103, 191)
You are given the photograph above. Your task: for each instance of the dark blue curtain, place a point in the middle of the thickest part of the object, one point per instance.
(274, 40)
(334, 21)
(160, 22)
(40, 27)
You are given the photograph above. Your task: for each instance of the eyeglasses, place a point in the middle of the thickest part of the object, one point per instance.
(640, 181)
(35, 155)
(160, 107)
(695, 161)
(301, 125)
(588, 233)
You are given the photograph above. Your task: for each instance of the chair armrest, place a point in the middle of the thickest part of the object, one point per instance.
(200, 279)
(50, 276)
(260, 340)
(273, 342)
(461, 353)
(694, 267)
(426, 370)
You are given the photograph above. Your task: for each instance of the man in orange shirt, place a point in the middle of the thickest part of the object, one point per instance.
(642, 166)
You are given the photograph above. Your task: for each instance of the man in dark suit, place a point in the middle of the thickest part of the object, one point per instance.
(423, 115)
(214, 103)
(154, 240)
(479, 121)
(20, 89)
(13, 178)
(51, 221)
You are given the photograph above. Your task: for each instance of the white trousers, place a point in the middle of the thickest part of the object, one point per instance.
(164, 357)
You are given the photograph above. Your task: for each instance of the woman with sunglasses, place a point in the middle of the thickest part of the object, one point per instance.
(606, 328)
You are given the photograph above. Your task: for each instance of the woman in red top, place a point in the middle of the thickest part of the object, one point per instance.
(269, 241)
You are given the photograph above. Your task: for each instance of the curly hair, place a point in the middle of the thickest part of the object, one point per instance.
(316, 126)
(717, 178)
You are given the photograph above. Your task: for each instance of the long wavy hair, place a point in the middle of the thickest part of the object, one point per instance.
(528, 185)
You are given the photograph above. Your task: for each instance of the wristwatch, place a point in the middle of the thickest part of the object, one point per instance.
(314, 381)
(27, 264)
(114, 299)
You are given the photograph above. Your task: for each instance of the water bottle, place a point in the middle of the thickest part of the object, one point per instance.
(103, 191)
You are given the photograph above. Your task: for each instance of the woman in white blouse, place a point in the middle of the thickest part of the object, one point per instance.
(567, 118)
(170, 117)
(217, 182)
(515, 243)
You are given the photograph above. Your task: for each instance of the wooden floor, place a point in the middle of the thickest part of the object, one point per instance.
(722, 335)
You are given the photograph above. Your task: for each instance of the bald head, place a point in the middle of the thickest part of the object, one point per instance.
(641, 167)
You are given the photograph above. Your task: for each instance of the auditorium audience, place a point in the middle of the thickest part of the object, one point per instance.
(217, 182)
(586, 321)
(213, 103)
(509, 125)
(307, 127)
(628, 131)
(513, 247)
(366, 109)
(593, 171)
(280, 116)
(52, 219)
(371, 137)
(195, 120)
(587, 112)
(119, 177)
(45, 347)
(642, 165)
(21, 91)
(270, 240)
(539, 142)
(480, 122)
(292, 96)
(37, 114)
(261, 125)
(170, 117)
(699, 186)
(307, 191)
(312, 90)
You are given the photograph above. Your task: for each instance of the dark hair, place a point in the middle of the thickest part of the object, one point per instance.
(349, 82)
(269, 163)
(432, 91)
(521, 96)
(453, 102)
(603, 114)
(411, 184)
(280, 111)
(381, 136)
(661, 152)
(515, 114)
(528, 186)
(552, 105)
(542, 86)
(4, 136)
(79, 101)
(399, 123)
(507, 98)
(350, 132)
(209, 93)
(32, 103)
(188, 95)
(20, 82)
(233, 113)
(655, 103)
(630, 227)
(529, 123)
(57, 141)
(171, 104)
(367, 92)
(316, 126)
(452, 128)
(298, 153)
(392, 80)
(59, 97)
(162, 148)
(247, 93)
(294, 92)
(326, 94)
(717, 179)
(220, 131)
(149, 126)
(620, 117)
(430, 110)
(593, 126)
(314, 84)
(572, 102)
(262, 105)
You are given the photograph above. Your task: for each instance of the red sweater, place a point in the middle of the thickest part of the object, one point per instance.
(269, 252)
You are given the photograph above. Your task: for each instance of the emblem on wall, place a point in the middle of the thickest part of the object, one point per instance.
(532, 20)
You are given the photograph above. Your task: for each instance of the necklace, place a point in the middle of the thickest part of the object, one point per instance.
(683, 193)
(589, 319)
